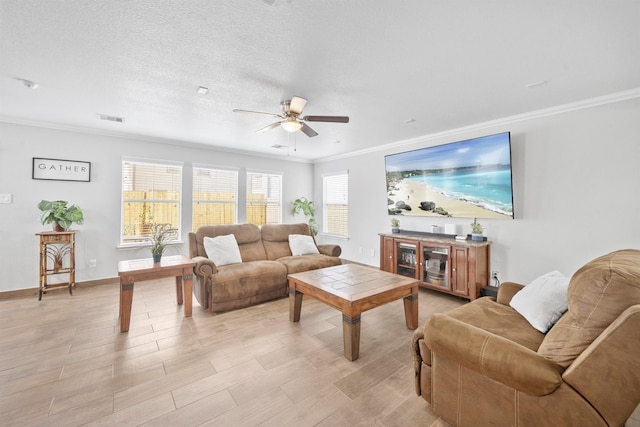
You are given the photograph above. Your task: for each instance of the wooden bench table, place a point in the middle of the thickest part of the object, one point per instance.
(136, 270)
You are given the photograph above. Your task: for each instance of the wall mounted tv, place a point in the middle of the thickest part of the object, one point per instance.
(465, 179)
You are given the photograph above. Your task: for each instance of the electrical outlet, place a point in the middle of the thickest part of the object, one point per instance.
(373, 252)
(360, 250)
(93, 263)
(6, 198)
(494, 274)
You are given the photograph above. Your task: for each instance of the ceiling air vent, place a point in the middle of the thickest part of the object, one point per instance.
(278, 146)
(110, 118)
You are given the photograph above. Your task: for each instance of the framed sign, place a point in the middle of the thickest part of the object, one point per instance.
(61, 170)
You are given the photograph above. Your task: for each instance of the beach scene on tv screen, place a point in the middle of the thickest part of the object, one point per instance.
(465, 179)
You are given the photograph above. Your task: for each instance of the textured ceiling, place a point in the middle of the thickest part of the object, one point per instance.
(445, 64)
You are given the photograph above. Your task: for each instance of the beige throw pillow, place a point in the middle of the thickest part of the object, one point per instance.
(542, 301)
(301, 244)
(222, 250)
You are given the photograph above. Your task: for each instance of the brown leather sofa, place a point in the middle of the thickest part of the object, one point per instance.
(266, 262)
(482, 364)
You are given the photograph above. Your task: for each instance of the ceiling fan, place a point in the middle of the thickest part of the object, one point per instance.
(292, 120)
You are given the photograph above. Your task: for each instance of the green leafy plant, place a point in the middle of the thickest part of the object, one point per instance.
(395, 222)
(58, 212)
(305, 206)
(476, 227)
(160, 236)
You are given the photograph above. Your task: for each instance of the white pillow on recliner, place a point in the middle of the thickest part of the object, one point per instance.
(301, 244)
(542, 301)
(222, 250)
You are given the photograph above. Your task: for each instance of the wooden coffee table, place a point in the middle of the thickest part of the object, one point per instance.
(352, 289)
(136, 270)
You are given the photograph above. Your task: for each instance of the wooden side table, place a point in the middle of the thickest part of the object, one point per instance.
(56, 247)
(137, 270)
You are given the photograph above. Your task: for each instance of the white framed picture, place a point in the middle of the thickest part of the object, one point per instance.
(61, 170)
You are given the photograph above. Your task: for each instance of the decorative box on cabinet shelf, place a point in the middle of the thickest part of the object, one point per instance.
(457, 267)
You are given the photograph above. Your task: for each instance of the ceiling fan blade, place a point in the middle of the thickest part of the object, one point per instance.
(236, 110)
(297, 105)
(266, 128)
(331, 119)
(308, 131)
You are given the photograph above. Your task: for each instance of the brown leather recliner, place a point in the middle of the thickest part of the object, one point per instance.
(483, 364)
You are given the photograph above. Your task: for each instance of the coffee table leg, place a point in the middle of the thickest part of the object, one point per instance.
(126, 298)
(351, 337)
(295, 305)
(411, 311)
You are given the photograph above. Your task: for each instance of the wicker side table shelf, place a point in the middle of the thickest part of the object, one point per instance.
(57, 257)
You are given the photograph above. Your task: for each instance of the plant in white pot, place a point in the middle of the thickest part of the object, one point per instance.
(61, 215)
(476, 230)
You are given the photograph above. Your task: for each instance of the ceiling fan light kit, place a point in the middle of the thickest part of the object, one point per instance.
(292, 119)
(291, 124)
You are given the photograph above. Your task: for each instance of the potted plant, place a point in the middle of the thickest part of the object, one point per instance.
(305, 206)
(61, 215)
(160, 236)
(395, 225)
(476, 230)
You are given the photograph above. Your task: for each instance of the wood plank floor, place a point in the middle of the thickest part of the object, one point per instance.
(63, 362)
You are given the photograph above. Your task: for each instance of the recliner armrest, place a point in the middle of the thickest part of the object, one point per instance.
(330, 250)
(506, 291)
(491, 355)
(204, 266)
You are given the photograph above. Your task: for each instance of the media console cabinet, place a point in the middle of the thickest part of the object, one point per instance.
(457, 267)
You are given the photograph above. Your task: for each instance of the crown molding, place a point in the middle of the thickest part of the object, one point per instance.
(142, 138)
(536, 114)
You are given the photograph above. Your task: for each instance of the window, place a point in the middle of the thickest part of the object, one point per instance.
(264, 204)
(151, 194)
(335, 203)
(215, 196)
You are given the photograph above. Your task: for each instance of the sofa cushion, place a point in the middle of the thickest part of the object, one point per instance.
(247, 235)
(297, 264)
(222, 250)
(239, 281)
(302, 245)
(542, 301)
(499, 319)
(275, 238)
(598, 293)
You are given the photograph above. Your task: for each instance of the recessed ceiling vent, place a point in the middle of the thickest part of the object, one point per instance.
(110, 118)
(278, 146)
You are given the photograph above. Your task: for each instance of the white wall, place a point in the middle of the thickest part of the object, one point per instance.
(575, 181)
(575, 176)
(98, 237)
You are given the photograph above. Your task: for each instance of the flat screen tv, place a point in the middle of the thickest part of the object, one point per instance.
(464, 179)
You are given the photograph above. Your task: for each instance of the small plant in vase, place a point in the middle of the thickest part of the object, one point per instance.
(395, 225)
(160, 237)
(476, 230)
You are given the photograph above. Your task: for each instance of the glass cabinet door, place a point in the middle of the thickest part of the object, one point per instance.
(435, 266)
(406, 259)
